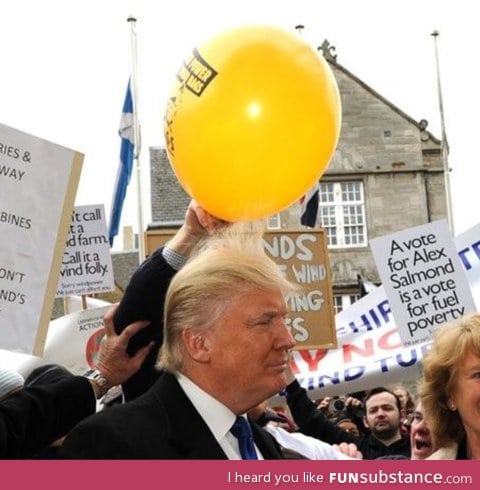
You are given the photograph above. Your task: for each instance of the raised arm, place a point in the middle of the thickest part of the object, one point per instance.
(311, 421)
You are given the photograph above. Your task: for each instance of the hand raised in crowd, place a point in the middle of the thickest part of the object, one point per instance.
(324, 404)
(349, 449)
(352, 402)
(114, 362)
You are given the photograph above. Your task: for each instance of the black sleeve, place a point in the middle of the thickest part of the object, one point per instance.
(95, 440)
(33, 418)
(311, 421)
(143, 300)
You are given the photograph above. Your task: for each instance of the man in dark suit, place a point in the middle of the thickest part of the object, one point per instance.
(225, 349)
(145, 293)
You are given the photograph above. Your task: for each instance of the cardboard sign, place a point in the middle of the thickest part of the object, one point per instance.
(303, 257)
(38, 182)
(423, 278)
(87, 262)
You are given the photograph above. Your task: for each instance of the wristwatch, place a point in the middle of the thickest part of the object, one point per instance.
(99, 380)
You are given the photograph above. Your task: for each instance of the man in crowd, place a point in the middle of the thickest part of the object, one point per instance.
(382, 418)
(225, 349)
(143, 298)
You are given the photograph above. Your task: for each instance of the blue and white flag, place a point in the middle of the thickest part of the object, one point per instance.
(127, 148)
(309, 207)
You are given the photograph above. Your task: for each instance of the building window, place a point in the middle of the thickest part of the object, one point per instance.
(342, 301)
(342, 213)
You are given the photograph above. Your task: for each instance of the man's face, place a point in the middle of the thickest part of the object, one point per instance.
(420, 437)
(382, 416)
(249, 348)
(349, 426)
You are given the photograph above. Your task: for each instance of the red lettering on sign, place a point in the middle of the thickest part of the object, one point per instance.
(312, 361)
(350, 349)
(385, 343)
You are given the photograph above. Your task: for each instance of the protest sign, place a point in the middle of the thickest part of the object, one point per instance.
(73, 340)
(87, 262)
(370, 352)
(38, 181)
(423, 278)
(302, 256)
(468, 246)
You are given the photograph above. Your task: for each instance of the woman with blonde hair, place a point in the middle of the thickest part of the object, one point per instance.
(450, 389)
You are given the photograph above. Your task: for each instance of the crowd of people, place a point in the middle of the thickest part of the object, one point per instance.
(199, 344)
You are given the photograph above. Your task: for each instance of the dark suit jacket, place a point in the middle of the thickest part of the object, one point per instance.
(161, 424)
(34, 417)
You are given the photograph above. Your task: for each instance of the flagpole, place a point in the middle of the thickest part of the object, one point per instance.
(444, 147)
(136, 136)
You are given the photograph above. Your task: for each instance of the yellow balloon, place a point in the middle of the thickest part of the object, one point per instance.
(252, 122)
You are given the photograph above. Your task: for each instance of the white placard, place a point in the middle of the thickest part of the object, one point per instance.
(38, 182)
(73, 340)
(423, 278)
(468, 247)
(87, 262)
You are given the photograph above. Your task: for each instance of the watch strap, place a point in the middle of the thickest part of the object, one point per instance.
(101, 383)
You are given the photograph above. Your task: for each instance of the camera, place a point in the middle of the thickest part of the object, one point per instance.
(358, 412)
(336, 405)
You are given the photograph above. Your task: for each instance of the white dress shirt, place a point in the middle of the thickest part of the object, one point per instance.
(216, 415)
(308, 446)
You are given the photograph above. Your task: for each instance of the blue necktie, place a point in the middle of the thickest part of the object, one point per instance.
(242, 431)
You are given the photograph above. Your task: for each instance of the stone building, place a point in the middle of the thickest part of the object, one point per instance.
(386, 175)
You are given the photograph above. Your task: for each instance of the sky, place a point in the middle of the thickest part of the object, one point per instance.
(65, 67)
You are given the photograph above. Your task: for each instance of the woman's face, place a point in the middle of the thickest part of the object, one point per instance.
(466, 395)
(420, 437)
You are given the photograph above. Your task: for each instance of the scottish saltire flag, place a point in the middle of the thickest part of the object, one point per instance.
(309, 207)
(124, 173)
